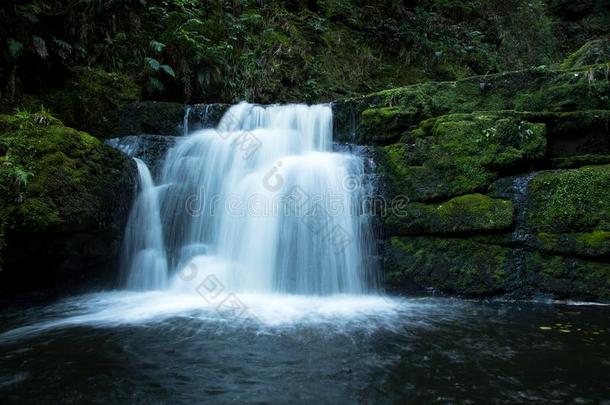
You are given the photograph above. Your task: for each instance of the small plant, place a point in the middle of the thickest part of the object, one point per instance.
(489, 132)
(25, 119)
(13, 177)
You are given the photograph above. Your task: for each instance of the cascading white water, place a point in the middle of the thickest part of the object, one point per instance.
(144, 258)
(260, 202)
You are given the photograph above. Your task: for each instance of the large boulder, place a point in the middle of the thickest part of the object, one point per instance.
(575, 200)
(568, 212)
(449, 265)
(65, 201)
(459, 154)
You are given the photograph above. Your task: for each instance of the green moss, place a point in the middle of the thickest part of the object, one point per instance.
(470, 268)
(536, 89)
(459, 154)
(90, 99)
(578, 133)
(568, 133)
(450, 265)
(385, 124)
(587, 89)
(482, 93)
(25, 119)
(72, 178)
(570, 200)
(571, 162)
(594, 244)
(473, 212)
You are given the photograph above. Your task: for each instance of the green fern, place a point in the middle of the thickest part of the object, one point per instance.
(13, 177)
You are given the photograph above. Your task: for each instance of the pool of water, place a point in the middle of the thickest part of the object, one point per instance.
(161, 347)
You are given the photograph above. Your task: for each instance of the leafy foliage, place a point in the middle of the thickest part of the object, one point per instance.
(216, 50)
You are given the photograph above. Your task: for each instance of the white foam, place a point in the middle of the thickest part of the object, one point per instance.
(260, 312)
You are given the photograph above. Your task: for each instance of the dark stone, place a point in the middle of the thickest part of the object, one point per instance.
(148, 117)
(151, 149)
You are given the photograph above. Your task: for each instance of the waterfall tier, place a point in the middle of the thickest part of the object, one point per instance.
(260, 203)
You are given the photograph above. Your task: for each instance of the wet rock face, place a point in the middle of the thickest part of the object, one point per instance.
(508, 187)
(201, 116)
(151, 149)
(163, 118)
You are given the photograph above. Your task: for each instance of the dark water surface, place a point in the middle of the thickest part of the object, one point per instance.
(92, 349)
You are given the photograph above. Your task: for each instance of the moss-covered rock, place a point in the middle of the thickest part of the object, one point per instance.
(459, 154)
(594, 244)
(569, 201)
(537, 89)
(90, 98)
(572, 133)
(573, 90)
(383, 125)
(468, 213)
(568, 277)
(67, 216)
(450, 265)
(552, 237)
(471, 268)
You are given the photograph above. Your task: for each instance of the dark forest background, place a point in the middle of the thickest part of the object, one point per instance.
(274, 51)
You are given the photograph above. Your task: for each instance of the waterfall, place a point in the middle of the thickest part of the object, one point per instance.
(144, 261)
(261, 203)
(185, 121)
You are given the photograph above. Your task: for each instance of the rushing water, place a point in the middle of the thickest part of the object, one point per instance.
(144, 251)
(259, 204)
